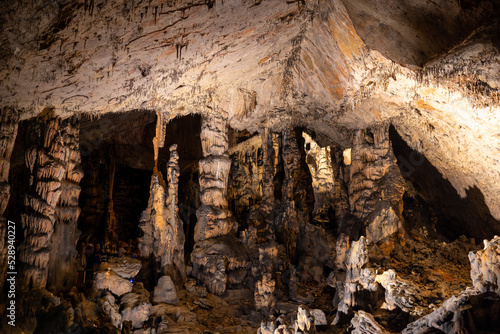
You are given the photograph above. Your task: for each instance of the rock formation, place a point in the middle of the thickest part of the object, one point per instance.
(339, 155)
(8, 131)
(52, 160)
(217, 251)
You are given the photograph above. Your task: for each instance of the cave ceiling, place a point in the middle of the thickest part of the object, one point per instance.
(432, 69)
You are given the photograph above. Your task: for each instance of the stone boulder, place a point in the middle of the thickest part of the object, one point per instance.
(165, 291)
(125, 267)
(109, 280)
(136, 308)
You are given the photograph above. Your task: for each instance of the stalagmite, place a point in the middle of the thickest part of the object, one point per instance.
(8, 131)
(50, 155)
(163, 237)
(216, 251)
(357, 278)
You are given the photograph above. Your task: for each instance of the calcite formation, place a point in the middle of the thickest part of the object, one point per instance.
(163, 229)
(283, 158)
(52, 160)
(8, 131)
(364, 323)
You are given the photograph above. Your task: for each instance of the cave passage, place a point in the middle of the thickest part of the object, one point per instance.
(438, 202)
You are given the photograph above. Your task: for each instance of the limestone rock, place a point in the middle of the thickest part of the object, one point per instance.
(364, 323)
(305, 320)
(384, 225)
(398, 293)
(214, 260)
(485, 267)
(165, 291)
(125, 267)
(264, 289)
(135, 308)
(319, 317)
(110, 308)
(111, 281)
(357, 278)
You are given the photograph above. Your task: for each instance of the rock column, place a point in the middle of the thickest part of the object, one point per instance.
(62, 268)
(214, 218)
(268, 172)
(375, 184)
(217, 252)
(9, 119)
(297, 193)
(46, 158)
(174, 253)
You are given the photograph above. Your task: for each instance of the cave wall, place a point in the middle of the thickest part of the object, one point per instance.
(8, 131)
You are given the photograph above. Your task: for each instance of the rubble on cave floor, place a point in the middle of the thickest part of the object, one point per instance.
(434, 276)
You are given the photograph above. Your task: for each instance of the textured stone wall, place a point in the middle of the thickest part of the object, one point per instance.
(50, 156)
(8, 131)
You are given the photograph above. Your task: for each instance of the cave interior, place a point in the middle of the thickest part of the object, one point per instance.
(250, 167)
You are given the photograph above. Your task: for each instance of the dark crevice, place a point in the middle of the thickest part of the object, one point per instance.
(438, 201)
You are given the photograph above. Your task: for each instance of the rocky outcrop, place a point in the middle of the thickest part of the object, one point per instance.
(357, 278)
(8, 131)
(117, 275)
(111, 281)
(125, 267)
(399, 293)
(135, 307)
(485, 267)
(51, 157)
(364, 323)
(165, 291)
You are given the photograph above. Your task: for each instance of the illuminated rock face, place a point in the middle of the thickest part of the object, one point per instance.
(315, 190)
(307, 61)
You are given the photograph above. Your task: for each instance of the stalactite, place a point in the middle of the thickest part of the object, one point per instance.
(9, 119)
(47, 158)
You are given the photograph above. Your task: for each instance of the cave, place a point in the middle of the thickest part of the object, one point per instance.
(247, 166)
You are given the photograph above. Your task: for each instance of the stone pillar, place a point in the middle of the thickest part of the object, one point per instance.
(62, 273)
(214, 218)
(46, 157)
(375, 185)
(174, 254)
(9, 119)
(217, 253)
(297, 193)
